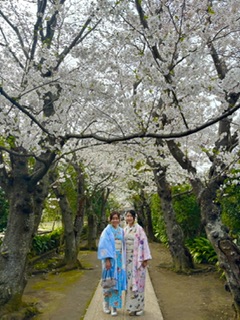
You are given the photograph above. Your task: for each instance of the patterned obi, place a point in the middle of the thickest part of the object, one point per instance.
(129, 243)
(118, 245)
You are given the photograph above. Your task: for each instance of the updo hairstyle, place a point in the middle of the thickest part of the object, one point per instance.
(133, 214)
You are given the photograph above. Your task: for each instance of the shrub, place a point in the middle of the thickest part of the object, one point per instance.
(230, 205)
(202, 250)
(157, 219)
(187, 211)
(46, 242)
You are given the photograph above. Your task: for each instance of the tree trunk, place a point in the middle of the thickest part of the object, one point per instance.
(227, 252)
(182, 260)
(71, 248)
(103, 223)
(140, 208)
(20, 186)
(144, 215)
(17, 240)
(92, 231)
(150, 232)
(79, 218)
(39, 195)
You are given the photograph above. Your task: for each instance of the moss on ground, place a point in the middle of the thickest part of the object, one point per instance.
(51, 281)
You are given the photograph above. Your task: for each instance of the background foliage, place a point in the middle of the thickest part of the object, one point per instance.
(187, 211)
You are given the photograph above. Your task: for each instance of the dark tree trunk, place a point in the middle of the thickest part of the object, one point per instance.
(79, 218)
(20, 188)
(18, 238)
(144, 215)
(227, 252)
(140, 208)
(71, 248)
(150, 232)
(103, 223)
(182, 259)
(92, 231)
(39, 195)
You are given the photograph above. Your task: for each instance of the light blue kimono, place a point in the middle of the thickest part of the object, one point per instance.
(107, 249)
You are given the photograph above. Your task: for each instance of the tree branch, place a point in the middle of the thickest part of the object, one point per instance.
(181, 158)
(51, 24)
(23, 155)
(79, 38)
(15, 29)
(153, 135)
(21, 108)
(38, 25)
(11, 51)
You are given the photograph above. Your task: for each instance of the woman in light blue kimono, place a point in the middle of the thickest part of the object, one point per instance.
(111, 250)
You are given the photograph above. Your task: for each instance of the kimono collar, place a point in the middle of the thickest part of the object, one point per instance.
(132, 227)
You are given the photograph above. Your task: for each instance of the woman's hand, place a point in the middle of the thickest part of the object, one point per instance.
(144, 263)
(108, 264)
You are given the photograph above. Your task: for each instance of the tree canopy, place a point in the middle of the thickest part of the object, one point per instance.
(138, 90)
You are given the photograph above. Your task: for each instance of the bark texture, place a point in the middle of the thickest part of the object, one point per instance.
(103, 219)
(92, 231)
(71, 248)
(18, 237)
(227, 251)
(20, 184)
(182, 259)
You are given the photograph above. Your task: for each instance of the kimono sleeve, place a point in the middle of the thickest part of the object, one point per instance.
(106, 248)
(146, 254)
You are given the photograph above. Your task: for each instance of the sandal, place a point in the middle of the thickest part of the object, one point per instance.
(139, 313)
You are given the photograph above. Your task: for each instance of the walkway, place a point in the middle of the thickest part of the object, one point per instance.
(152, 310)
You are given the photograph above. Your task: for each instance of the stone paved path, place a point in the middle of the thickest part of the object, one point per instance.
(152, 309)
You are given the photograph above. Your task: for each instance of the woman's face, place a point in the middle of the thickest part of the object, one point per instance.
(129, 219)
(115, 221)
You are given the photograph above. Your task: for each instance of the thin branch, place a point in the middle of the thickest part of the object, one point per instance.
(143, 20)
(178, 195)
(11, 51)
(79, 38)
(110, 175)
(15, 29)
(111, 118)
(37, 87)
(77, 149)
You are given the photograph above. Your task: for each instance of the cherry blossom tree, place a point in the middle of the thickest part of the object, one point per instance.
(214, 44)
(36, 84)
(76, 74)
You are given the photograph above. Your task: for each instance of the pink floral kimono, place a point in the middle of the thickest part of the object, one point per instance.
(137, 250)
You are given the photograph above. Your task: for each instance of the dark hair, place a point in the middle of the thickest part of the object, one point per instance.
(133, 213)
(113, 213)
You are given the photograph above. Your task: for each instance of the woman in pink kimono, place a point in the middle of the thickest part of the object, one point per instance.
(137, 256)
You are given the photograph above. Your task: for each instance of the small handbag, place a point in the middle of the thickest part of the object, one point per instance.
(108, 280)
